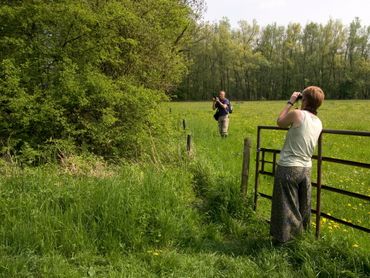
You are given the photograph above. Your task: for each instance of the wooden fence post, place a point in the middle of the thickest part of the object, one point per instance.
(245, 169)
(188, 144)
(184, 124)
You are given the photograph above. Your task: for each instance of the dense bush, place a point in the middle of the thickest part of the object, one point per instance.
(88, 75)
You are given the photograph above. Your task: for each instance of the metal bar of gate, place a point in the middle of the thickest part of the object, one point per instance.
(319, 184)
(347, 132)
(343, 192)
(256, 176)
(318, 194)
(325, 158)
(274, 164)
(263, 161)
(330, 217)
(328, 131)
(330, 188)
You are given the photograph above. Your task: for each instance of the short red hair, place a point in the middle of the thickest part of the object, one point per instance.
(313, 97)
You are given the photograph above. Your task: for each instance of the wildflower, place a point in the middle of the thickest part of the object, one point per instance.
(154, 253)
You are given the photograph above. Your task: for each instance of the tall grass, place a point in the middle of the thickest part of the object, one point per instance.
(184, 220)
(145, 222)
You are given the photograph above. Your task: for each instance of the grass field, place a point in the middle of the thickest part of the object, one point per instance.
(226, 155)
(184, 220)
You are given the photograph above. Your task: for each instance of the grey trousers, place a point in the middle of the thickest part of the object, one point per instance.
(223, 125)
(291, 202)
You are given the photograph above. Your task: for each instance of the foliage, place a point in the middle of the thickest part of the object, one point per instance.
(254, 62)
(88, 75)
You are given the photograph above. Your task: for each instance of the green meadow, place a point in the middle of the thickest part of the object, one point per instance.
(226, 155)
(186, 219)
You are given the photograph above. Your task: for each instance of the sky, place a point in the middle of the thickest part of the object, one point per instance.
(285, 11)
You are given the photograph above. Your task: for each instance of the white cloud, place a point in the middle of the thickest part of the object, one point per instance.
(285, 11)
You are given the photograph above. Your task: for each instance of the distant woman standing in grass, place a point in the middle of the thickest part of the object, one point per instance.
(291, 201)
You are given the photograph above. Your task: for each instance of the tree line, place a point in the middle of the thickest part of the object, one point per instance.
(254, 62)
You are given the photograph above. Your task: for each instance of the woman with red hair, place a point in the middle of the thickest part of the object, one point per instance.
(291, 201)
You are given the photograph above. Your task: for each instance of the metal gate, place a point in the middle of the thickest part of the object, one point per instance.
(260, 170)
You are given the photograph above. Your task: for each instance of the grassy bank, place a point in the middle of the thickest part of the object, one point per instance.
(142, 222)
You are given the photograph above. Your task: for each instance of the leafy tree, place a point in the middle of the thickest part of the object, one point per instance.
(89, 75)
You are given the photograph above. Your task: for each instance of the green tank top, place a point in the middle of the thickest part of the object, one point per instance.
(300, 142)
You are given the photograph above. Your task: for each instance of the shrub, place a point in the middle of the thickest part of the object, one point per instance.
(88, 76)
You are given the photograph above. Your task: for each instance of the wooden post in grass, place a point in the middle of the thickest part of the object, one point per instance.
(184, 124)
(245, 169)
(188, 144)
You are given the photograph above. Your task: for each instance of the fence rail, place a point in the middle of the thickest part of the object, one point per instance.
(260, 161)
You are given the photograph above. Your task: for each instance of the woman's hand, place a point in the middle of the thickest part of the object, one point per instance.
(294, 97)
(287, 117)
